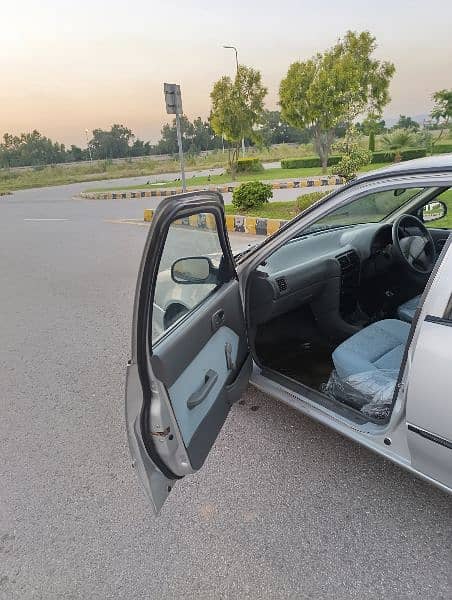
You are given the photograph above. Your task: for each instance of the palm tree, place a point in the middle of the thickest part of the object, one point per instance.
(397, 140)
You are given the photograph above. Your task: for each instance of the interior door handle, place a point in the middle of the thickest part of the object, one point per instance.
(201, 394)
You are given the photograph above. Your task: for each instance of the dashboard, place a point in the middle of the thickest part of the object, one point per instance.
(323, 269)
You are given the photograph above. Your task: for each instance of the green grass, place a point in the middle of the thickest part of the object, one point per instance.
(220, 179)
(266, 175)
(59, 175)
(279, 210)
(11, 180)
(289, 209)
(272, 210)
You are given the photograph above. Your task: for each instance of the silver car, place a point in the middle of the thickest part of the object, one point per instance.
(345, 314)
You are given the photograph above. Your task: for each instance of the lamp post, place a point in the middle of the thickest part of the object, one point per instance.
(88, 146)
(237, 71)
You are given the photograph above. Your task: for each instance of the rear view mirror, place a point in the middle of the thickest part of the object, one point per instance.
(433, 211)
(196, 269)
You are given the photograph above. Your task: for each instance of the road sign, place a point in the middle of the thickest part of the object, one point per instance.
(173, 98)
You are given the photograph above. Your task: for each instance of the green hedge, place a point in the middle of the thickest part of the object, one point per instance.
(308, 162)
(382, 157)
(249, 164)
(305, 201)
(442, 148)
(377, 157)
(411, 153)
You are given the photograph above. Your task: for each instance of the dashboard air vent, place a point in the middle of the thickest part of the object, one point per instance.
(282, 284)
(348, 260)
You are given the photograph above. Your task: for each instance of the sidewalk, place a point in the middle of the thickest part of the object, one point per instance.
(303, 182)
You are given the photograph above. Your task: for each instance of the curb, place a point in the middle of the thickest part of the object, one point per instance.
(234, 223)
(6, 193)
(276, 185)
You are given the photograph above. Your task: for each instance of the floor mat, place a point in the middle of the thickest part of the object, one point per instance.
(309, 363)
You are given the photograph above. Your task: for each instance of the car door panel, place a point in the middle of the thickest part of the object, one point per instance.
(428, 408)
(170, 357)
(439, 238)
(181, 362)
(183, 379)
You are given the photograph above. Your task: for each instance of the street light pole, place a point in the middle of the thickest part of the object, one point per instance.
(237, 70)
(173, 101)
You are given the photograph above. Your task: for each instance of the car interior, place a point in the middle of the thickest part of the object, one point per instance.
(329, 313)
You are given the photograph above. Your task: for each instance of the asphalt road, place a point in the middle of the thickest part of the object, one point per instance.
(283, 508)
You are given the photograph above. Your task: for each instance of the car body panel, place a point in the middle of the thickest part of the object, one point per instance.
(164, 463)
(181, 382)
(429, 406)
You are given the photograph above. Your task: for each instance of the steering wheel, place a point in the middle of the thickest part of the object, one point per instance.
(413, 244)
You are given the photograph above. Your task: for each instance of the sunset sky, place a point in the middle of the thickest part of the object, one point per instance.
(67, 66)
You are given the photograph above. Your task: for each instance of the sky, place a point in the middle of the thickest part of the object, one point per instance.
(67, 66)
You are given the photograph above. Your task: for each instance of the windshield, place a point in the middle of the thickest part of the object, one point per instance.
(372, 208)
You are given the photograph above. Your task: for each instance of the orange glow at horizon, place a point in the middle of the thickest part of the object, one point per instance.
(67, 69)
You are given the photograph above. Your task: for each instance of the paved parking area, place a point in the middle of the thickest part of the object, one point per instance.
(284, 508)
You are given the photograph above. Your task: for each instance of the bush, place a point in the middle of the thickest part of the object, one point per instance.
(334, 159)
(441, 148)
(382, 157)
(299, 163)
(249, 164)
(308, 162)
(306, 200)
(251, 195)
(411, 153)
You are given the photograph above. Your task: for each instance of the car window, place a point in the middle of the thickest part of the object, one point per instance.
(431, 212)
(371, 208)
(189, 270)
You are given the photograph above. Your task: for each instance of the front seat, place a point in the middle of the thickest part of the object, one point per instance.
(378, 347)
(407, 309)
(367, 367)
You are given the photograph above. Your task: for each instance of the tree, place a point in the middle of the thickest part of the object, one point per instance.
(111, 144)
(442, 111)
(371, 126)
(353, 155)
(372, 122)
(203, 136)
(32, 149)
(197, 136)
(405, 122)
(397, 140)
(276, 131)
(237, 107)
(335, 87)
(75, 154)
(139, 148)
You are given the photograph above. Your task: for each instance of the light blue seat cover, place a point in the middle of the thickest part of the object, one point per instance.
(379, 346)
(407, 309)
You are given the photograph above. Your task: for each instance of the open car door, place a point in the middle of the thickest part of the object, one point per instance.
(190, 357)
(429, 405)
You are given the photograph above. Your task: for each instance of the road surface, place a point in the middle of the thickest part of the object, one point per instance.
(283, 508)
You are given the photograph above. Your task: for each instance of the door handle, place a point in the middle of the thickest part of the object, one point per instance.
(218, 319)
(201, 394)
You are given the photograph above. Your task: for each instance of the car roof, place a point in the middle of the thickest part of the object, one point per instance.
(429, 164)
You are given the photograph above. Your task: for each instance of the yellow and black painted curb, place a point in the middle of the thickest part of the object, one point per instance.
(224, 189)
(234, 223)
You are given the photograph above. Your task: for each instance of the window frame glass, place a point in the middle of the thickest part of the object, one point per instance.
(226, 268)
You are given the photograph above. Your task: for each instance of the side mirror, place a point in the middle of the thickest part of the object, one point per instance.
(196, 269)
(433, 211)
